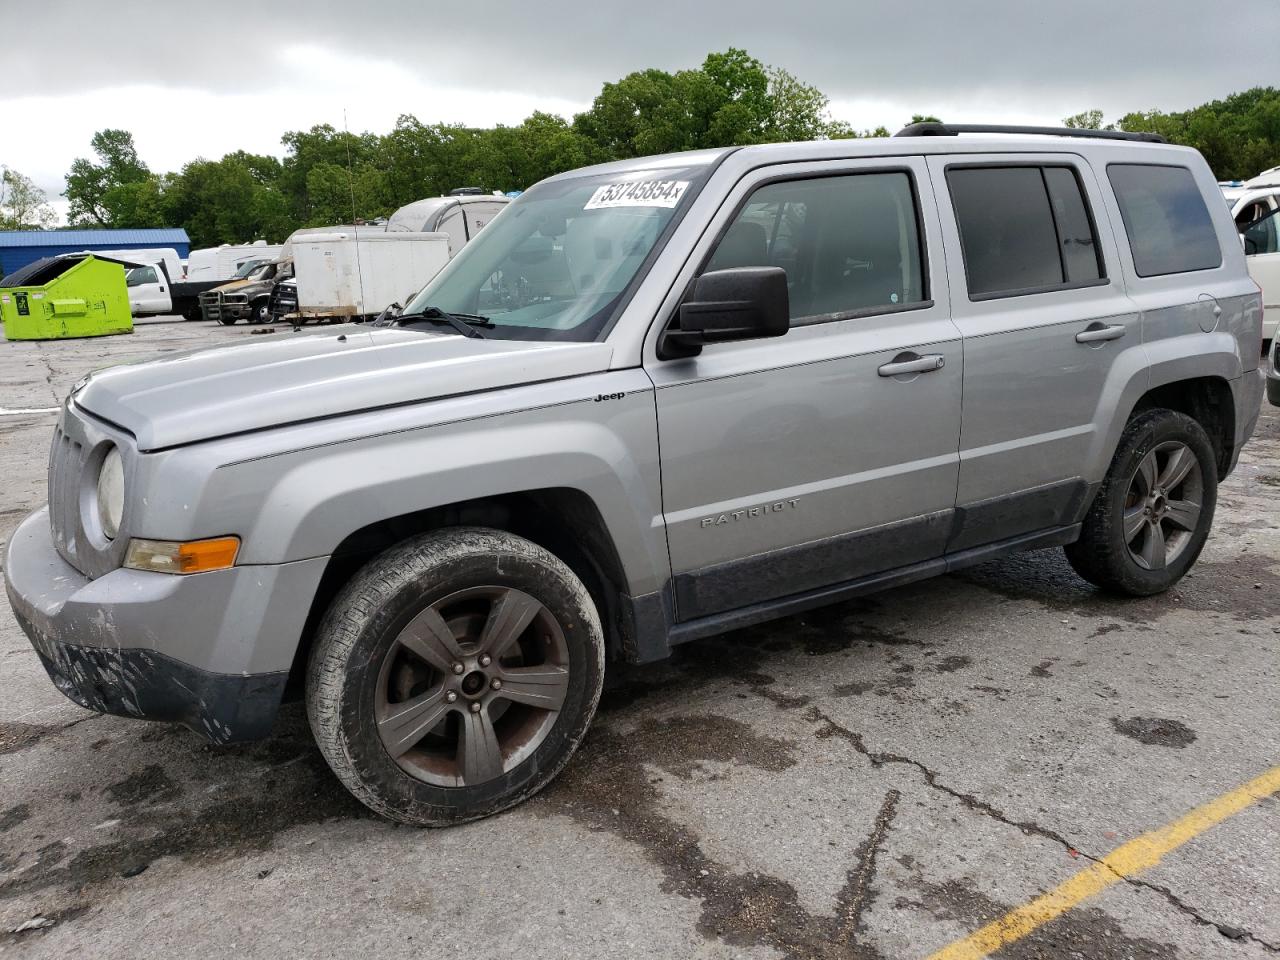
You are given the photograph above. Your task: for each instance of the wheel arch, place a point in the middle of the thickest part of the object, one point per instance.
(1209, 401)
(564, 520)
(1192, 375)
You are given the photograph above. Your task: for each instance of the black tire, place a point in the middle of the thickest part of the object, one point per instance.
(226, 320)
(1103, 555)
(362, 636)
(259, 311)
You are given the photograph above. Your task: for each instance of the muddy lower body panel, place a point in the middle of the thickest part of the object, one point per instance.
(211, 651)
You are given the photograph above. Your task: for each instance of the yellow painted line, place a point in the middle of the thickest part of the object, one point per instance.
(1141, 853)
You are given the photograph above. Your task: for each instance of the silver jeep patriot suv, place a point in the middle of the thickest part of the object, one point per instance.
(654, 400)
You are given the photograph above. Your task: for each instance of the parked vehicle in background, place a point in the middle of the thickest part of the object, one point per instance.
(659, 399)
(220, 264)
(152, 292)
(248, 295)
(1255, 210)
(456, 219)
(460, 217)
(338, 276)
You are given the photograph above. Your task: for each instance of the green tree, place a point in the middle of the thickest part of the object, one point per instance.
(1239, 135)
(324, 146)
(232, 200)
(1087, 120)
(23, 205)
(95, 188)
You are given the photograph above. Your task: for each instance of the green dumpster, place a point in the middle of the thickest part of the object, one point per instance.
(74, 295)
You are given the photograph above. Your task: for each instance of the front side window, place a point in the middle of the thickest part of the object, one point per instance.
(140, 275)
(1166, 219)
(1261, 235)
(850, 244)
(1023, 229)
(560, 260)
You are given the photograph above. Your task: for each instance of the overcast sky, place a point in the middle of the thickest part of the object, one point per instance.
(203, 78)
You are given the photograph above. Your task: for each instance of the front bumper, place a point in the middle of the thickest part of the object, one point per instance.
(211, 651)
(234, 310)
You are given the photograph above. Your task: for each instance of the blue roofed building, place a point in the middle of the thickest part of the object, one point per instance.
(20, 247)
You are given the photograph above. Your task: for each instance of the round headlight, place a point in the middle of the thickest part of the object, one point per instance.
(111, 493)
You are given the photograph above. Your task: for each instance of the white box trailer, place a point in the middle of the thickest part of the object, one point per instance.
(341, 275)
(221, 263)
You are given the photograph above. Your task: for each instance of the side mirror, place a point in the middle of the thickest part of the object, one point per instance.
(743, 303)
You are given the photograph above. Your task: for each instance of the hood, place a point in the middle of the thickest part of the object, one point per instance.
(231, 285)
(277, 380)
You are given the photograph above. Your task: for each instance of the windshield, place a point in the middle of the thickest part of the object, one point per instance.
(247, 268)
(558, 262)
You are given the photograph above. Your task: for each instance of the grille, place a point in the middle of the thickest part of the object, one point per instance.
(66, 463)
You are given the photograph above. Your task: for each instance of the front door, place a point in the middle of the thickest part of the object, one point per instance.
(830, 453)
(147, 291)
(1039, 298)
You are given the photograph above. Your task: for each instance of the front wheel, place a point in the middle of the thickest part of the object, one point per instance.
(225, 319)
(259, 312)
(455, 675)
(1151, 516)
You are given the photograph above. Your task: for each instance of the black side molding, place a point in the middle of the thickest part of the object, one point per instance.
(955, 129)
(786, 606)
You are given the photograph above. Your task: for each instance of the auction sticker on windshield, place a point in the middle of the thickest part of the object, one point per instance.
(638, 193)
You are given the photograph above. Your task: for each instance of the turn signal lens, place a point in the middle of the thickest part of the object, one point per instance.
(195, 556)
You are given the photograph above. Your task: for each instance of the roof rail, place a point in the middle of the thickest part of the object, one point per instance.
(952, 129)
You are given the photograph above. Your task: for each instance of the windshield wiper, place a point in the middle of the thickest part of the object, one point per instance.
(464, 323)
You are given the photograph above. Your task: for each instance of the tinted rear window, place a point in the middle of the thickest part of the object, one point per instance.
(1006, 229)
(1023, 229)
(1166, 219)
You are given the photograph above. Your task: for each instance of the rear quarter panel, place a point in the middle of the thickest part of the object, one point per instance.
(1182, 335)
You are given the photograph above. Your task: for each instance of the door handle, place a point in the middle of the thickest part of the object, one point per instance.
(1097, 333)
(926, 364)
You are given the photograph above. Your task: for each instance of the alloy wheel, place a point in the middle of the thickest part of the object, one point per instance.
(472, 686)
(1163, 504)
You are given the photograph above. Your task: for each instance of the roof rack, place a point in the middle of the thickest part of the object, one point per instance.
(953, 129)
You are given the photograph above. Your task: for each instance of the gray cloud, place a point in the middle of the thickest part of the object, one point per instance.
(1117, 55)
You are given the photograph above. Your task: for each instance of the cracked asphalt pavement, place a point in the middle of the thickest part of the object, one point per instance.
(871, 780)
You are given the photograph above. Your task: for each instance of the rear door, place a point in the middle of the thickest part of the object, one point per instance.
(828, 454)
(1038, 297)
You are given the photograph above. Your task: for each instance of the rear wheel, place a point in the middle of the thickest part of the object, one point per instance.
(1151, 517)
(455, 675)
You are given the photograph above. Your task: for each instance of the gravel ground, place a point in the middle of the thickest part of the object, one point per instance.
(872, 780)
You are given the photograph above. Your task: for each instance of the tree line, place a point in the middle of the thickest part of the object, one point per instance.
(328, 176)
